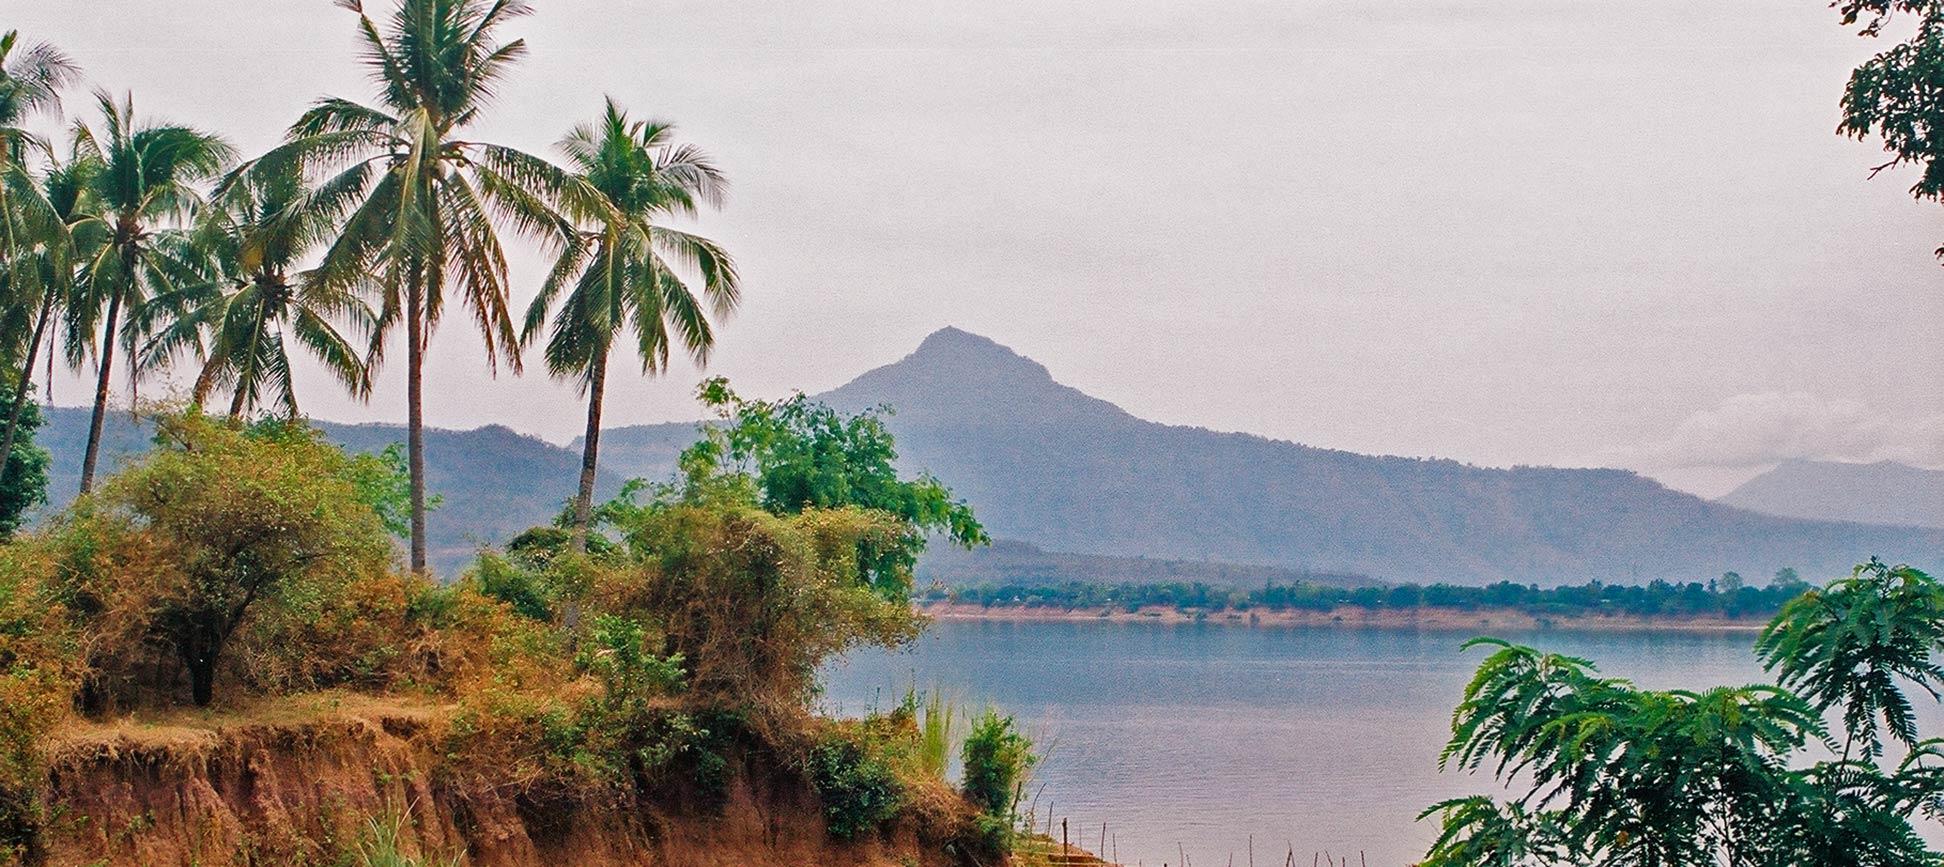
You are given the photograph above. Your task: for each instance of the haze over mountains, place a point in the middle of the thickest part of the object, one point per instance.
(1044, 463)
(1884, 492)
(1067, 474)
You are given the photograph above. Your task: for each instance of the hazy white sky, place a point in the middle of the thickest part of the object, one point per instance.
(1579, 232)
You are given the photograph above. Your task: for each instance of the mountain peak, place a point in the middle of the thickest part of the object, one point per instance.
(955, 374)
(1884, 492)
(971, 353)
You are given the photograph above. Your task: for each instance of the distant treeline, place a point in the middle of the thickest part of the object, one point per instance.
(1726, 597)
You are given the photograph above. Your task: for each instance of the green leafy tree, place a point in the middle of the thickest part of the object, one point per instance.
(1855, 644)
(424, 230)
(261, 224)
(1615, 775)
(143, 189)
(384, 483)
(624, 269)
(1898, 95)
(796, 454)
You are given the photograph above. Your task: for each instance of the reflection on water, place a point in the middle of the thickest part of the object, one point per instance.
(1199, 739)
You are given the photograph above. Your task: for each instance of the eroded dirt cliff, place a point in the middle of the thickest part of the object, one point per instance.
(301, 790)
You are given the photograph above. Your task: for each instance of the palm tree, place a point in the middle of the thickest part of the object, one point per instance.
(623, 270)
(424, 222)
(29, 82)
(142, 189)
(260, 224)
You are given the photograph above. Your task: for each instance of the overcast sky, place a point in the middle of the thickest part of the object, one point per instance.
(1570, 232)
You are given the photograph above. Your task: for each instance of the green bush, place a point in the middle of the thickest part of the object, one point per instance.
(859, 788)
(513, 583)
(997, 761)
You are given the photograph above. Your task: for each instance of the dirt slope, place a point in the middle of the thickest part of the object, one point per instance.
(227, 793)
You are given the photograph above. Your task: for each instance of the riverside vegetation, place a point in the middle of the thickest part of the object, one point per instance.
(239, 564)
(1727, 598)
(642, 651)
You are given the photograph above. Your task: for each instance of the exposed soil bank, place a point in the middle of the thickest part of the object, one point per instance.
(1441, 619)
(296, 784)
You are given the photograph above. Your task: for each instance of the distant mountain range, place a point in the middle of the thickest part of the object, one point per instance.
(1084, 490)
(1881, 493)
(1046, 464)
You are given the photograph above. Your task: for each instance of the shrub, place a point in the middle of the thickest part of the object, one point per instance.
(517, 584)
(997, 761)
(464, 641)
(37, 655)
(859, 788)
(628, 728)
(520, 741)
(219, 521)
(754, 602)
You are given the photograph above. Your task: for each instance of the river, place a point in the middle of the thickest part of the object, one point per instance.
(1194, 742)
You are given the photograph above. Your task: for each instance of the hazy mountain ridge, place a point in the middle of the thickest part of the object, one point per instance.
(1075, 477)
(493, 481)
(1046, 464)
(1884, 492)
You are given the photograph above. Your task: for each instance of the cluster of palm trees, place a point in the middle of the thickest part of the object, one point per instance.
(154, 241)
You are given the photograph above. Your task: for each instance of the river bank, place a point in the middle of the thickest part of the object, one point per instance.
(1423, 617)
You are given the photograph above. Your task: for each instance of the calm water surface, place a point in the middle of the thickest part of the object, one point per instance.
(1192, 738)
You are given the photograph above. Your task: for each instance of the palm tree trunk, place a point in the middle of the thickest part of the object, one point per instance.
(415, 416)
(101, 394)
(26, 376)
(249, 369)
(590, 449)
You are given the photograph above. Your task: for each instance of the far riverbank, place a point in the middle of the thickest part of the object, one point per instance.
(1423, 618)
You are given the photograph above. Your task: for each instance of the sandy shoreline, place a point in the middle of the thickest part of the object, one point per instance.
(1440, 619)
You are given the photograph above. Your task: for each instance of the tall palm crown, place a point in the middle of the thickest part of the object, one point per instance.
(260, 225)
(143, 189)
(423, 225)
(31, 78)
(624, 269)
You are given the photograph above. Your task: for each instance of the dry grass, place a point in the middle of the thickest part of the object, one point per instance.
(1039, 850)
(191, 727)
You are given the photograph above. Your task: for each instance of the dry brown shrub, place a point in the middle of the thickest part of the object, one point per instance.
(754, 602)
(38, 661)
(353, 635)
(102, 571)
(465, 642)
